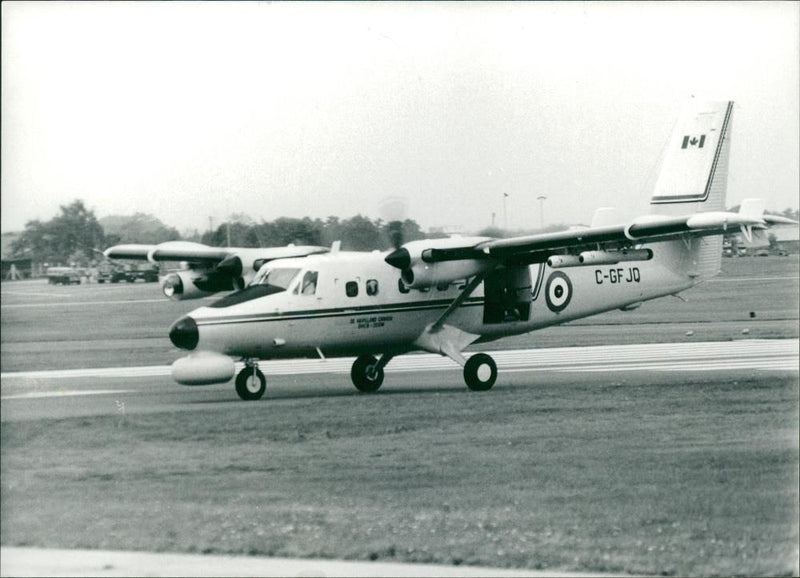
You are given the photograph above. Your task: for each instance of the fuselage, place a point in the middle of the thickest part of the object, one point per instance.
(358, 304)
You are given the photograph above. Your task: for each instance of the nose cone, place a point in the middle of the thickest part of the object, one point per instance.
(399, 258)
(184, 334)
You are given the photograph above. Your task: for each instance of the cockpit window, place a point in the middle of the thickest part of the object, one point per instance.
(309, 283)
(247, 294)
(278, 277)
(266, 282)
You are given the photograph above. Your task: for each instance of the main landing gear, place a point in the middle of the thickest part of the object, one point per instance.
(480, 372)
(250, 383)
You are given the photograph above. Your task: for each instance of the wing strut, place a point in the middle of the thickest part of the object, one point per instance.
(437, 325)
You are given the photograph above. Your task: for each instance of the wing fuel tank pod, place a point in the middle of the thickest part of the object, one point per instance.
(203, 368)
(599, 258)
(611, 258)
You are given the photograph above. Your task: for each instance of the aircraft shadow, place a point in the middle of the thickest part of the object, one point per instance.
(389, 391)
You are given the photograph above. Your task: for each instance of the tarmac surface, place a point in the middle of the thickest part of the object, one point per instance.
(97, 391)
(42, 562)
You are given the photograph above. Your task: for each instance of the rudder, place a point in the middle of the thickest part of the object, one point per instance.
(694, 177)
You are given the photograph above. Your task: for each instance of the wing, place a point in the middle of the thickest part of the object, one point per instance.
(171, 251)
(204, 255)
(471, 256)
(650, 229)
(211, 269)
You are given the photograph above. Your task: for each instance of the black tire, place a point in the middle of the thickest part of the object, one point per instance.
(475, 372)
(361, 378)
(251, 384)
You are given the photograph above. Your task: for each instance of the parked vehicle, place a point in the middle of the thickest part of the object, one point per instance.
(63, 276)
(116, 272)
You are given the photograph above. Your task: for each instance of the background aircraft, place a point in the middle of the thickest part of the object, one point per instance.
(441, 295)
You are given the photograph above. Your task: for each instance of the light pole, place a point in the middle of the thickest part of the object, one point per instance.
(542, 199)
(505, 213)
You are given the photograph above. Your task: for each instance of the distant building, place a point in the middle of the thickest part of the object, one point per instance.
(12, 269)
(787, 238)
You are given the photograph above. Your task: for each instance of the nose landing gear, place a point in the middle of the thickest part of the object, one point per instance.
(367, 372)
(250, 383)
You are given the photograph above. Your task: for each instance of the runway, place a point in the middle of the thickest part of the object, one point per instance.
(149, 387)
(704, 356)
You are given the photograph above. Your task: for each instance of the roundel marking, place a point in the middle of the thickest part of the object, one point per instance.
(558, 292)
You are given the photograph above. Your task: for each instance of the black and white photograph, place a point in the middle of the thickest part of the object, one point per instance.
(400, 288)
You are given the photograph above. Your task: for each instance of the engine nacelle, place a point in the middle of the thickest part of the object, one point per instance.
(430, 262)
(203, 368)
(420, 275)
(195, 284)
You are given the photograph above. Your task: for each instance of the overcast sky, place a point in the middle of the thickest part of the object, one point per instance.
(191, 110)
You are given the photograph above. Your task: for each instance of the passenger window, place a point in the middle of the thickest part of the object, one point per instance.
(402, 287)
(372, 287)
(309, 284)
(351, 288)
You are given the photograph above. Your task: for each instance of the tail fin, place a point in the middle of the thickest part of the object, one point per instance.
(694, 177)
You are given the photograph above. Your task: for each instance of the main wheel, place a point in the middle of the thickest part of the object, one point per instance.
(364, 376)
(251, 384)
(480, 372)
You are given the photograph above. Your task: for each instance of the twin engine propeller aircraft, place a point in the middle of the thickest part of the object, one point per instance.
(442, 295)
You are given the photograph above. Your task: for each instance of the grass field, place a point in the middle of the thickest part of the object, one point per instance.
(638, 475)
(642, 473)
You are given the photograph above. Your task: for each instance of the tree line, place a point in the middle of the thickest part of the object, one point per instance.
(76, 236)
(357, 233)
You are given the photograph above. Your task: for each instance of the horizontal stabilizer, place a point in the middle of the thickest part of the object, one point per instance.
(605, 216)
(752, 209)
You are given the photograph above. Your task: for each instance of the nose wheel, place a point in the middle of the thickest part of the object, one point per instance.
(367, 373)
(251, 383)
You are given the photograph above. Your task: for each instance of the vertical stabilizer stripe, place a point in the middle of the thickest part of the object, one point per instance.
(722, 138)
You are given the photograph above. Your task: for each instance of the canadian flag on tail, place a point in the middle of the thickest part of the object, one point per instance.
(693, 141)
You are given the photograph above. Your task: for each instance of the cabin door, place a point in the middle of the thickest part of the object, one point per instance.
(507, 295)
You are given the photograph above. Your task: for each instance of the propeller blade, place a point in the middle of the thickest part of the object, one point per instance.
(399, 258)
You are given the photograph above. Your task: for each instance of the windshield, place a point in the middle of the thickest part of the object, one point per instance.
(266, 282)
(279, 277)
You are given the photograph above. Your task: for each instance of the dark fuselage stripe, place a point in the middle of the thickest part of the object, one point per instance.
(340, 312)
